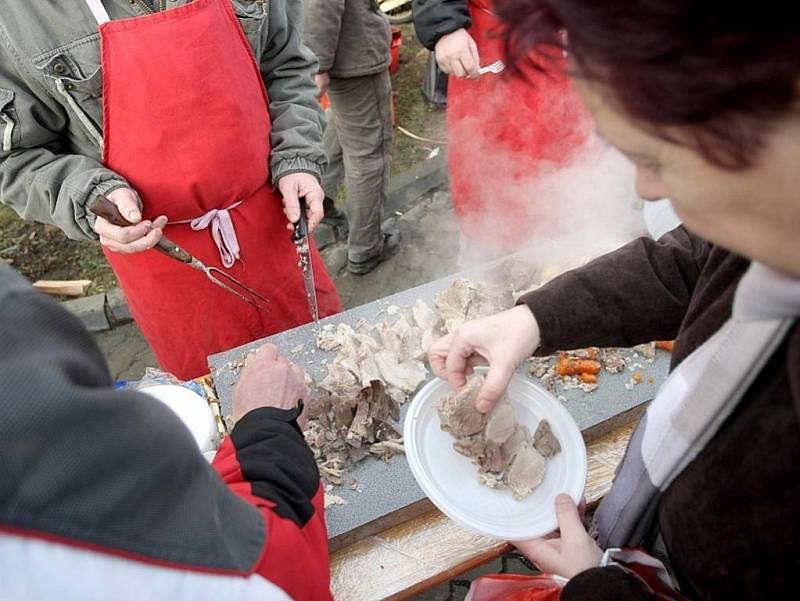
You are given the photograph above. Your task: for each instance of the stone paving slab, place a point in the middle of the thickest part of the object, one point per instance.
(91, 310)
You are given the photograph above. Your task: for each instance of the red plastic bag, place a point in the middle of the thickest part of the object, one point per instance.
(515, 587)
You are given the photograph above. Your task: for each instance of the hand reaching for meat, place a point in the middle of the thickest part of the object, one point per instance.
(502, 341)
(269, 380)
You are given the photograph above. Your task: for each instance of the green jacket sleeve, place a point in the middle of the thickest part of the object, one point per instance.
(288, 68)
(39, 177)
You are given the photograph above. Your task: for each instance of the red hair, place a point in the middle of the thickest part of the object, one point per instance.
(722, 71)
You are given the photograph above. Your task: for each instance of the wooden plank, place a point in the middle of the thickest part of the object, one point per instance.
(407, 559)
(63, 287)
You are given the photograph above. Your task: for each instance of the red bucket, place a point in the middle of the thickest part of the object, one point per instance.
(394, 50)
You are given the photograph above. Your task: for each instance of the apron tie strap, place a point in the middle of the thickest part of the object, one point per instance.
(98, 11)
(222, 232)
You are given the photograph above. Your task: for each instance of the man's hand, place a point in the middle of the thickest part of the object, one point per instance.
(457, 54)
(571, 552)
(292, 187)
(502, 341)
(133, 238)
(322, 80)
(269, 380)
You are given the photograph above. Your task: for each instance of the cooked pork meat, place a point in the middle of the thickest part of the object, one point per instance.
(500, 425)
(525, 473)
(545, 441)
(457, 410)
(502, 449)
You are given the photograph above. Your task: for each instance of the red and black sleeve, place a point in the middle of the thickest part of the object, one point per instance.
(266, 461)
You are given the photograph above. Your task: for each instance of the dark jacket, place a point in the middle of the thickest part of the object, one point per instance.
(85, 467)
(351, 38)
(435, 18)
(731, 519)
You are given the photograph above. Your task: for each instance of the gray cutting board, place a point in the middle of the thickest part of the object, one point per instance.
(386, 493)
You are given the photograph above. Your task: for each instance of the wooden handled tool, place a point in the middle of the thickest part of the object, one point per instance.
(103, 207)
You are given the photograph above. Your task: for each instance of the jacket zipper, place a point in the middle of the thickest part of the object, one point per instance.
(147, 10)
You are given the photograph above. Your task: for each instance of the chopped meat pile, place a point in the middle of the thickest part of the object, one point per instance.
(506, 454)
(374, 370)
(344, 428)
(464, 300)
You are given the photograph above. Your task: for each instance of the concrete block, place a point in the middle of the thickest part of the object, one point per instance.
(91, 310)
(415, 182)
(118, 311)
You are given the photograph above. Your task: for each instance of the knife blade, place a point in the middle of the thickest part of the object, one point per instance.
(302, 245)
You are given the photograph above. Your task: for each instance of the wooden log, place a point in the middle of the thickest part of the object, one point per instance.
(63, 287)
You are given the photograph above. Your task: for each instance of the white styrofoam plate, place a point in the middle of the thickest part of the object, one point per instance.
(192, 409)
(450, 480)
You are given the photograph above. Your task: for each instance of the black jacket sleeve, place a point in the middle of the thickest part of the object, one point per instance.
(609, 583)
(435, 18)
(612, 300)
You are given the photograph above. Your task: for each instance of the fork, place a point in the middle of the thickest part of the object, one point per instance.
(495, 67)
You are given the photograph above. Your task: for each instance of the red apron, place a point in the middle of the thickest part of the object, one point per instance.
(504, 133)
(186, 122)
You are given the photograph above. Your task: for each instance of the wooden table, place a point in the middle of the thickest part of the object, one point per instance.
(405, 560)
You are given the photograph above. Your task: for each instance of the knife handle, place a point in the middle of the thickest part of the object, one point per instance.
(103, 207)
(300, 230)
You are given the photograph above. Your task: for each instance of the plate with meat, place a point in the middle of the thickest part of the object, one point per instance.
(496, 473)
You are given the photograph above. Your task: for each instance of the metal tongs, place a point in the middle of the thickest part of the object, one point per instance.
(300, 240)
(103, 207)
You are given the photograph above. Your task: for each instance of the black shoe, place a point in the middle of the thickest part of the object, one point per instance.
(391, 243)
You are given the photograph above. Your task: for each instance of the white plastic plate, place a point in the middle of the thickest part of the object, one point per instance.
(192, 409)
(450, 480)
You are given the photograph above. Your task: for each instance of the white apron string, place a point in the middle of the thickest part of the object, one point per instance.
(98, 10)
(222, 232)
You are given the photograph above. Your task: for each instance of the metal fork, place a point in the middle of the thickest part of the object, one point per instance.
(495, 67)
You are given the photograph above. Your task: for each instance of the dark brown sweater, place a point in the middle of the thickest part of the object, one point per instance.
(731, 520)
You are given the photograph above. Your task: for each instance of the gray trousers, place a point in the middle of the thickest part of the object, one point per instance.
(357, 142)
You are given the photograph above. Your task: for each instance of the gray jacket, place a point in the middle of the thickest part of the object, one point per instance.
(51, 105)
(351, 38)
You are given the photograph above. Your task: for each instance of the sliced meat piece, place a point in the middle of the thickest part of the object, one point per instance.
(491, 460)
(525, 473)
(545, 441)
(406, 376)
(470, 446)
(513, 444)
(500, 424)
(457, 410)
(359, 429)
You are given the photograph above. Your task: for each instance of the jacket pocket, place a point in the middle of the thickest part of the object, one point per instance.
(73, 73)
(253, 18)
(8, 121)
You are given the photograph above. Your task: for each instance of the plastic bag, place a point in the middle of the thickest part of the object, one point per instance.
(434, 83)
(515, 587)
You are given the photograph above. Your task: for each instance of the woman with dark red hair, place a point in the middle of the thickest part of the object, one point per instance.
(702, 96)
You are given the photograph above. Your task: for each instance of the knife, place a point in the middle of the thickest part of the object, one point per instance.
(301, 242)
